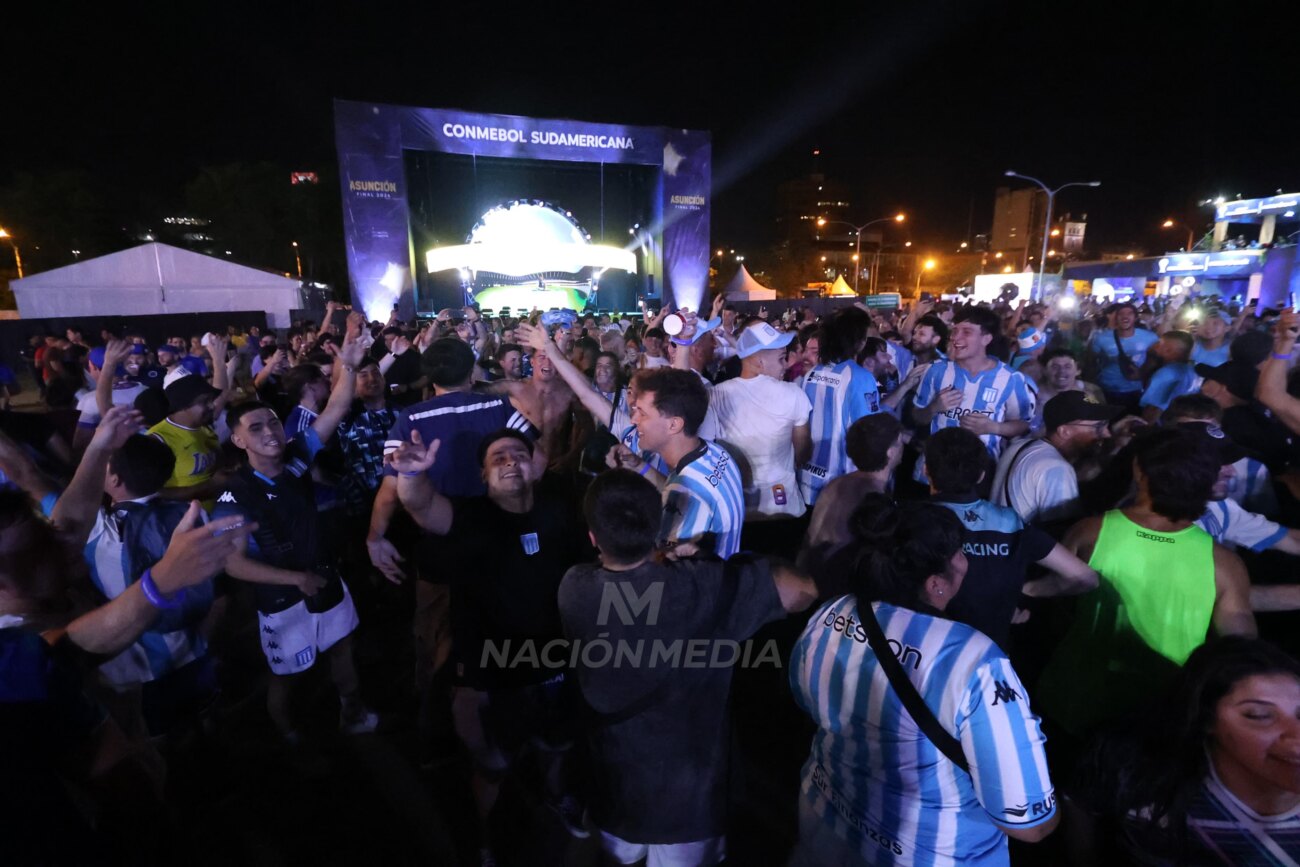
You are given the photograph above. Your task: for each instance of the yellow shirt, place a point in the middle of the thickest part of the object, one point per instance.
(195, 449)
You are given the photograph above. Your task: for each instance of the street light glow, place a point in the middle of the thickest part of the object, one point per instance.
(1056, 232)
(898, 218)
(929, 264)
(1167, 224)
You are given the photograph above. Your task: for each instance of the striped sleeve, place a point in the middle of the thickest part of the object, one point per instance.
(1004, 745)
(686, 516)
(929, 386)
(1020, 401)
(399, 433)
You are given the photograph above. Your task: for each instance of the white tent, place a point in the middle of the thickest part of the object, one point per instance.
(743, 287)
(155, 278)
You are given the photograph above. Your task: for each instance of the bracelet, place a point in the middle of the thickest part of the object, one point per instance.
(645, 468)
(1280, 357)
(156, 597)
(410, 475)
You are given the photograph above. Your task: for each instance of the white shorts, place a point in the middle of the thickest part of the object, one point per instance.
(697, 854)
(294, 637)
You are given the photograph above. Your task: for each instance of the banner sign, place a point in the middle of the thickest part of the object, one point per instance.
(371, 139)
(1226, 263)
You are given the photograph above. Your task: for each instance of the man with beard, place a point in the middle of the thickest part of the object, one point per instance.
(1037, 477)
(187, 430)
(511, 356)
(1121, 352)
(924, 338)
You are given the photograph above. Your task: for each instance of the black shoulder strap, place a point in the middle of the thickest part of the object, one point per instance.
(907, 692)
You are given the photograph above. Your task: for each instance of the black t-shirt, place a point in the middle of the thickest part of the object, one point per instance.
(660, 734)
(405, 370)
(1261, 435)
(504, 569)
(1000, 549)
(291, 533)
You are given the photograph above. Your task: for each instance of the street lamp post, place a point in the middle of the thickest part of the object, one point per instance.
(18, 259)
(857, 230)
(297, 259)
(1191, 236)
(928, 266)
(1047, 226)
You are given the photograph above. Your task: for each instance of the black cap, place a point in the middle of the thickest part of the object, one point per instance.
(1071, 406)
(1251, 347)
(1212, 436)
(182, 393)
(1238, 377)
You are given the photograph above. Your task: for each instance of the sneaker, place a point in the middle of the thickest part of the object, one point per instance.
(571, 815)
(359, 721)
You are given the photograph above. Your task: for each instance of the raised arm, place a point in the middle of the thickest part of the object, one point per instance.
(592, 401)
(430, 509)
(74, 513)
(1271, 389)
(384, 555)
(115, 352)
(347, 358)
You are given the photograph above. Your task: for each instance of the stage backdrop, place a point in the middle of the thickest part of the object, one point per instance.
(673, 260)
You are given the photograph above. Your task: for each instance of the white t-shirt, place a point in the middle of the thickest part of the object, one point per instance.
(1042, 486)
(655, 361)
(755, 419)
(124, 394)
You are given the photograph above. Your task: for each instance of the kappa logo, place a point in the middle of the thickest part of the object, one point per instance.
(226, 497)
(268, 630)
(1153, 537)
(1003, 692)
(971, 516)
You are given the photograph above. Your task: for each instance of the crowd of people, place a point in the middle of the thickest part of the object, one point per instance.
(1008, 562)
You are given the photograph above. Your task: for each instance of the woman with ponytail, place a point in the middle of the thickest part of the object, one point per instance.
(879, 786)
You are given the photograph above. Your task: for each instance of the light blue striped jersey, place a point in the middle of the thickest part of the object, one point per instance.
(875, 778)
(1212, 357)
(156, 652)
(840, 395)
(704, 495)
(631, 438)
(1000, 393)
(1230, 524)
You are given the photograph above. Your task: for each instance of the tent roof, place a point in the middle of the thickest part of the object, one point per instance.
(745, 285)
(841, 288)
(154, 265)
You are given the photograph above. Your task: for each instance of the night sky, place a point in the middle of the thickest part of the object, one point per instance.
(915, 106)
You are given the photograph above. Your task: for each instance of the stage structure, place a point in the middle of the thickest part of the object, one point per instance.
(441, 207)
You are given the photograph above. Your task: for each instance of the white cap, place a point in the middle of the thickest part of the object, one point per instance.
(756, 338)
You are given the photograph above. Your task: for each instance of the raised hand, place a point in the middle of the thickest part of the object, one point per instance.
(115, 352)
(533, 336)
(199, 551)
(413, 457)
(117, 426)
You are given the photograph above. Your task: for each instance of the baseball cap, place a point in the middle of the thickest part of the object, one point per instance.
(1030, 339)
(1072, 406)
(167, 347)
(756, 338)
(137, 349)
(185, 390)
(1238, 377)
(1214, 437)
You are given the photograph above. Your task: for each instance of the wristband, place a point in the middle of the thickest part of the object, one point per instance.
(156, 597)
(1280, 357)
(410, 475)
(645, 468)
